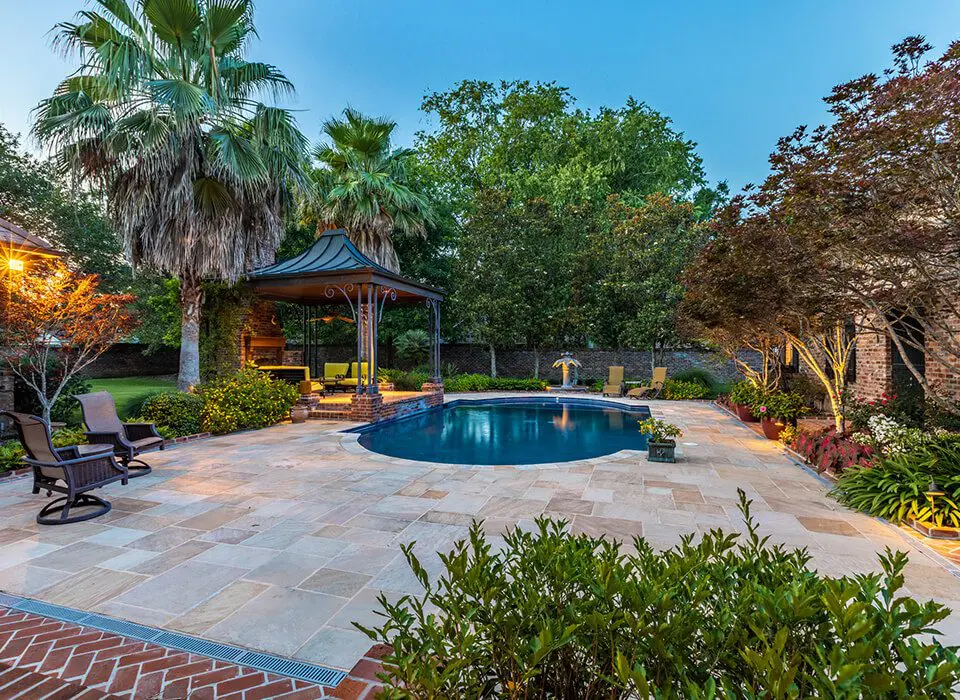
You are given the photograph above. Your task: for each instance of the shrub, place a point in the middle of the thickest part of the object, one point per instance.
(177, 411)
(895, 487)
(744, 393)
(829, 452)
(704, 378)
(245, 400)
(405, 381)
(779, 406)
(678, 389)
(413, 346)
(553, 615)
(892, 437)
(810, 388)
(482, 382)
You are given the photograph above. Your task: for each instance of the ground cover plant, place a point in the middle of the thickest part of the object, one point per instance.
(11, 451)
(179, 412)
(555, 615)
(895, 487)
(829, 451)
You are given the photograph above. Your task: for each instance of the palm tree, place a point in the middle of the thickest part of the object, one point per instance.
(163, 115)
(362, 186)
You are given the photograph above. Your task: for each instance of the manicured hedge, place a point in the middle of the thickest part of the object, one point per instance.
(482, 382)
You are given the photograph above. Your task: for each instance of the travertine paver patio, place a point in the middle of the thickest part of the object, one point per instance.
(279, 539)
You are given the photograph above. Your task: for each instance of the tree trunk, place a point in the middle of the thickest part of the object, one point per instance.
(191, 301)
(493, 361)
(536, 363)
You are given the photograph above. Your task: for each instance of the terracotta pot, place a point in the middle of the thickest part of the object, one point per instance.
(772, 428)
(743, 413)
(299, 414)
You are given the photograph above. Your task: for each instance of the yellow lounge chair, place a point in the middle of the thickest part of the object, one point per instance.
(614, 385)
(655, 386)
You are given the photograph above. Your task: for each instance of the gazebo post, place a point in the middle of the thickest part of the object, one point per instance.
(360, 317)
(434, 322)
(372, 292)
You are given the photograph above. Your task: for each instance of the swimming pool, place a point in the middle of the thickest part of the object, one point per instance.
(510, 431)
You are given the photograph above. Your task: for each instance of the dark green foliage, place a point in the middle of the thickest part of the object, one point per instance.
(554, 615)
(64, 410)
(177, 411)
(482, 382)
(679, 389)
(779, 405)
(702, 377)
(405, 381)
(248, 399)
(413, 346)
(744, 393)
(895, 486)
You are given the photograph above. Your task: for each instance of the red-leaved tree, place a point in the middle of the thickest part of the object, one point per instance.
(55, 323)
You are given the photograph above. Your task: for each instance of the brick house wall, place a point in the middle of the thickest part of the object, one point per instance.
(942, 365)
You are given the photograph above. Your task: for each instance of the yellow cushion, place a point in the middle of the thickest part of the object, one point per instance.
(332, 369)
(354, 374)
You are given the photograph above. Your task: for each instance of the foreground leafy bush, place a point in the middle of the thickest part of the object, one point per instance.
(553, 615)
(828, 451)
(678, 390)
(178, 411)
(245, 400)
(482, 382)
(895, 487)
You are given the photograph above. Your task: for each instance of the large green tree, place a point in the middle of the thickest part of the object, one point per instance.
(164, 114)
(362, 186)
(641, 254)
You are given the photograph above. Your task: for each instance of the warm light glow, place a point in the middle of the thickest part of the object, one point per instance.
(15, 265)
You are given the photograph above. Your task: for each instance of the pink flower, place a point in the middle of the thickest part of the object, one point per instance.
(763, 409)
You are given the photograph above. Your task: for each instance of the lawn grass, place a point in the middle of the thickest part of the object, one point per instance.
(129, 392)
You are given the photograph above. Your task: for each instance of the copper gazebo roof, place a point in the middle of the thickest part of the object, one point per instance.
(330, 264)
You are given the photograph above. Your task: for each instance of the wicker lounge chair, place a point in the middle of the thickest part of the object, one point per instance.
(129, 440)
(614, 385)
(654, 387)
(72, 471)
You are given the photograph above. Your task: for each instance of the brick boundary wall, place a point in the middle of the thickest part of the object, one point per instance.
(469, 358)
(129, 360)
(45, 658)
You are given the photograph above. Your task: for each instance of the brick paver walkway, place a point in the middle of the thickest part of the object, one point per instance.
(279, 539)
(42, 658)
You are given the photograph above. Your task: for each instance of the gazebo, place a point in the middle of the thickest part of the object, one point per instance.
(334, 272)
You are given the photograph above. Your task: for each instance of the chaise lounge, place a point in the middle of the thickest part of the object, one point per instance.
(654, 387)
(129, 440)
(73, 471)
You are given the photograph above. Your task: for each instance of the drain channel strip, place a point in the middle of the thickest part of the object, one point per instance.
(300, 670)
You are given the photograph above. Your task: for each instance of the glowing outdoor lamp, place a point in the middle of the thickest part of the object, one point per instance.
(15, 265)
(933, 490)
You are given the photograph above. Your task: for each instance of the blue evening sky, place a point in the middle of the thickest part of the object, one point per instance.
(733, 76)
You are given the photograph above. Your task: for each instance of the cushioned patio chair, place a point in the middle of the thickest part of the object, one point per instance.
(614, 385)
(654, 387)
(73, 471)
(129, 440)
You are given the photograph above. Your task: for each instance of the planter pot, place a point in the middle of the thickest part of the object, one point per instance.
(299, 414)
(743, 413)
(932, 531)
(662, 451)
(772, 428)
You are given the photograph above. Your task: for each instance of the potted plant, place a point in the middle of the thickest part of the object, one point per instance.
(778, 409)
(661, 447)
(742, 397)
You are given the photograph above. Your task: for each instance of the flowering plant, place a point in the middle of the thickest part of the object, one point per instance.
(659, 430)
(892, 437)
(781, 406)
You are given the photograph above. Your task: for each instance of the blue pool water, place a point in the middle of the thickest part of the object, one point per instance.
(510, 431)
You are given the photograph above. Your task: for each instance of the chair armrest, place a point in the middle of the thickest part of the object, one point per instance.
(139, 431)
(88, 469)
